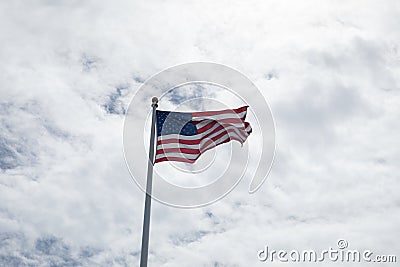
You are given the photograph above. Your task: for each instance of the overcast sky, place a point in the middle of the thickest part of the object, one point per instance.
(330, 71)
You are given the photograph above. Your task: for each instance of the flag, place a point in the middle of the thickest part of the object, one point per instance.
(184, 136)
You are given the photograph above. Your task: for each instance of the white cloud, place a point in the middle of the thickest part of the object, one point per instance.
(330, 71)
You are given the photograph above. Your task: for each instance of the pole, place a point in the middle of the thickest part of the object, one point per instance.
(147, 204)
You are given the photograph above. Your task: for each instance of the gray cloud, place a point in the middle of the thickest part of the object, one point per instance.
(69, 69)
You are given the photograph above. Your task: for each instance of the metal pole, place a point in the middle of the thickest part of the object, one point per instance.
(147, 205)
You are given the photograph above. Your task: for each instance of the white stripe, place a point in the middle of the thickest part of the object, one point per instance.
(178, 155)
(177, 145)
(225, 125)
(240, 115)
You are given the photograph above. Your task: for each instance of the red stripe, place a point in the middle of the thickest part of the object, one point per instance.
(230, 121)
(218, 112)
(177, 150)
(175, 159)
(223, 121)
(180, 141)
(233, 119)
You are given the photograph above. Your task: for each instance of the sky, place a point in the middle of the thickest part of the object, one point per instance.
(329, 70)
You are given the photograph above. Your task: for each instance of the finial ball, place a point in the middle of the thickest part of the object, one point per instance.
(154, 100)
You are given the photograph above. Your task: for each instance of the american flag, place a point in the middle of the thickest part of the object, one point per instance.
(183, 136)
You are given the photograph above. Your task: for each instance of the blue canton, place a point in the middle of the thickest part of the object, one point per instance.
(175, 123)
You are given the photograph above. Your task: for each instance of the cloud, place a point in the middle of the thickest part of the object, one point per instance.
(330, 72)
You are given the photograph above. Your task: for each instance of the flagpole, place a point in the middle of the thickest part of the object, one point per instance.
(147, 205)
